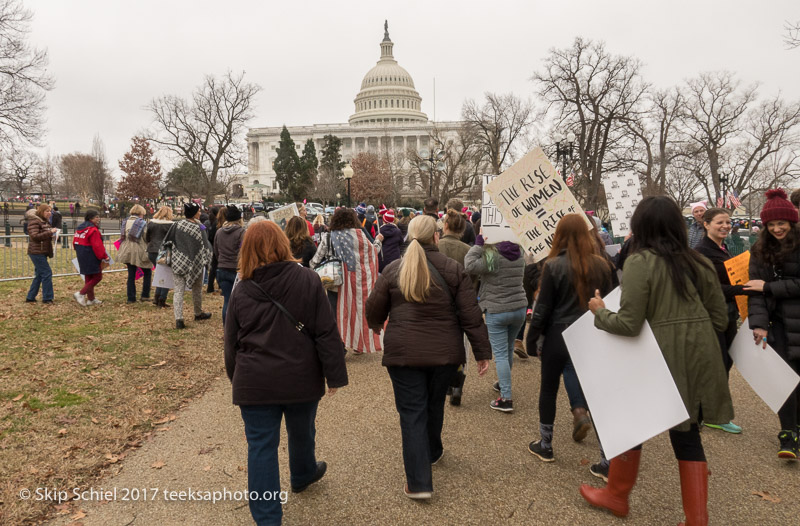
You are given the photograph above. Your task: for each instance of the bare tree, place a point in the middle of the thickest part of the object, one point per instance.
(464, 162)
(792, 36)
(207, 130)
(594, 93)
(683, 180)
(736, 136)
(23, 78)
(21, 170)
(100, 181)
(47, 175)
(655, 141)
(497, 126)
(76, 169)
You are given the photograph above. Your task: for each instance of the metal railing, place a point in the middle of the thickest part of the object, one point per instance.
(16, 265)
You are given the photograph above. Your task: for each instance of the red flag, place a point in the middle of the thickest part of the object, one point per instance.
(571, 179)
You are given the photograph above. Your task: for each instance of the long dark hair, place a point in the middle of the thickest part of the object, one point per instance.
(772, 251)
(297, 232)
(658, 226)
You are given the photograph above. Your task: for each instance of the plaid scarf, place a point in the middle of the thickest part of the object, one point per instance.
(191, 251)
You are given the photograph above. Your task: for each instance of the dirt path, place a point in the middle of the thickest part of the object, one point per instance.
(486, 476)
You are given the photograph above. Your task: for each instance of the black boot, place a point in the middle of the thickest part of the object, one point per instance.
(458, 387)
(202, 316)
(179, 324)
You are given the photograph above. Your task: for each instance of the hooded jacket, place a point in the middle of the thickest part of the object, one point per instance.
(392, 240)
(266, 358)
(40, 235)
(88, 245)
(500, 290)
(227, 245)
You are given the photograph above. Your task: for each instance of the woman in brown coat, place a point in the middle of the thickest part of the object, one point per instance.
(430, 303)
(40, 247)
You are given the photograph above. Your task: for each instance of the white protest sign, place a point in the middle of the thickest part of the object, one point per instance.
(770, 377)
(78, 268)
(163, 277)
(283, 215)
(532, 198)
(623, 193)
(627, 384)
(493, 226)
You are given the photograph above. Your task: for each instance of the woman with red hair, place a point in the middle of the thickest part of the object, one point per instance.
(281, 346)
(573, 270)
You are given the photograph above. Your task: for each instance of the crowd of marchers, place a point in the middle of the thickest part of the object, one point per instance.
(425, 289)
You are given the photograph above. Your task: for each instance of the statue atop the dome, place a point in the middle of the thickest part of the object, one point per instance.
(386, 30)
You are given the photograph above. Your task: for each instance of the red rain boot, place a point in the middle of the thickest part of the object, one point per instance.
(621, 478)
(694, 492)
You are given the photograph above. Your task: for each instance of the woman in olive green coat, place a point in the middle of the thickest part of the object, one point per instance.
(677, 291)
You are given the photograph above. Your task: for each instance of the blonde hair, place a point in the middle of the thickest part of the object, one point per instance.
(165, 212)
(138, 210)
(414, 278)
(318, 221)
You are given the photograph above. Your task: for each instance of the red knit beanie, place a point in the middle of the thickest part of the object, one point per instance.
(388, 216)
(778, 207)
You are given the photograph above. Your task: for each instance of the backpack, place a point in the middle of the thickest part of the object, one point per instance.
(137, 229)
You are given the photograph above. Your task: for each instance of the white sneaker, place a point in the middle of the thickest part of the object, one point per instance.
(94, 302)
(80, 298)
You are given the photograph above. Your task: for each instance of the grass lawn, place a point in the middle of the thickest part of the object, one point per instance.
(81, 386)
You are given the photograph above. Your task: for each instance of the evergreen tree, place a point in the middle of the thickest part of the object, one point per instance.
(329, 182)
(287, 163)
(308, 170)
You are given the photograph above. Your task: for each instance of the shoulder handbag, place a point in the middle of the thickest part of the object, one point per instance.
(330, 270)
(297, 325)
(164, 256)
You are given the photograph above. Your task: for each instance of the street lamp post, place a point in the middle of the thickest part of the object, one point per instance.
(723, 181)
(347, 172)
(434, 162)
(564, 151)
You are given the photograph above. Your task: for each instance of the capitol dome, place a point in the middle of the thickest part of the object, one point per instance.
(387, 92)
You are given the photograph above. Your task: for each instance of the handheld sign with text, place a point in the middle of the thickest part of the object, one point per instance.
(532, 198)
(283, 215)
(493, 226)
(739, 273)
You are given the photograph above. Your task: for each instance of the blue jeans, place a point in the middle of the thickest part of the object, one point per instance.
(503, 328)
(42, 275)
(262, 426)
(419, 394)
(148, 275)
(225, 279)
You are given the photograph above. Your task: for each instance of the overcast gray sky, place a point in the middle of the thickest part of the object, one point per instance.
(110, 58)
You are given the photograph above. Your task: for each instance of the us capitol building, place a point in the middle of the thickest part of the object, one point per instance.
(388, 119)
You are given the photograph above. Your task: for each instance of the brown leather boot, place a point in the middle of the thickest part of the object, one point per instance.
(621, 478)
(581, 424)
(694, 492)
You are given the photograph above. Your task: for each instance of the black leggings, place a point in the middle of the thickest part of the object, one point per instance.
(686, 445)
(555, 361)
(789, 413)
(726, 338)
